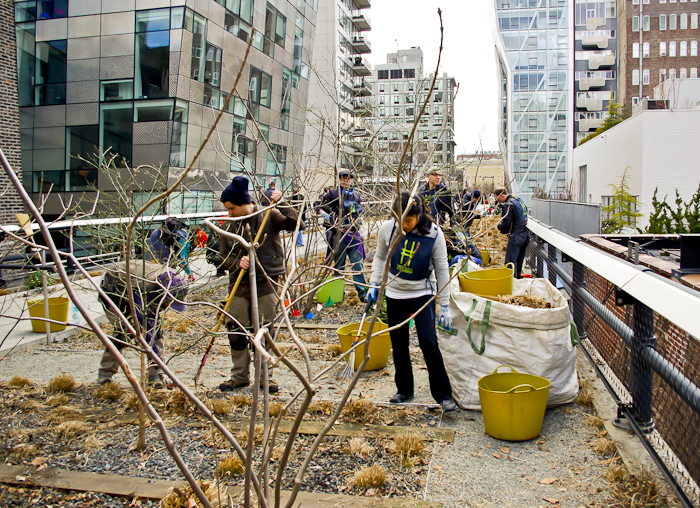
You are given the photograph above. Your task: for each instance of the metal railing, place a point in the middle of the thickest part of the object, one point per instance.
(640, 331)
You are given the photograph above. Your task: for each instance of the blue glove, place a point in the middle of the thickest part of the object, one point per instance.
(444, 317)
(372, 295)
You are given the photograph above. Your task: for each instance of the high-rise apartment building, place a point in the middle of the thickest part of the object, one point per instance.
(143, 80)
(337, 132)
(596, 48)
(535, 60)
(400, 88)
(658, 41)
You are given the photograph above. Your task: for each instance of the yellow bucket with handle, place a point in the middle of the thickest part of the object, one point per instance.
(488, 283)
(379, 344)
(513, 404)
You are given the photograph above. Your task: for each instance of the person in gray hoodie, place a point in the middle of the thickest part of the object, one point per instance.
(418, 270)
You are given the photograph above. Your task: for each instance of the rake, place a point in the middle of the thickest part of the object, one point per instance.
(349, 370)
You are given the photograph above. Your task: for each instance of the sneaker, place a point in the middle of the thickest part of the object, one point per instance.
(448, 405)
(104, 380)
(400, 398)
(230, 385)
(156, 382)
(273, 388)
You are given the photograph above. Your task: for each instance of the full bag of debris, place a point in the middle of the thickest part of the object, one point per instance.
(536, 341)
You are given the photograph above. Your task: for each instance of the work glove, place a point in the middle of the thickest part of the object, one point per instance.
(444, 317)
(372, 295)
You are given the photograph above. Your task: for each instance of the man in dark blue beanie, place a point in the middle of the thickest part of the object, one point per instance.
(271, 263)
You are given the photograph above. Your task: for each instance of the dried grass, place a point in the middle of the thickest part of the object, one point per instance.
(179, 497)
(178, 402)
(407, 446)
(62, 383)
(358, 446)
(230, 466)
(109, 391)
(368, 477)
(241, 400)
(30, 405)
(20, 382)
(603, 446)
(360, 410)
(585, 397)
(242, 436)
(322, 407)
(220, 407)
(531, 301)
(22, 451)
(91, 444)
(63, 414)
(595, 421)
(634, 491)
(132, 401)
(275, 408)
(333, 350)
(68, 430)
(57, 400)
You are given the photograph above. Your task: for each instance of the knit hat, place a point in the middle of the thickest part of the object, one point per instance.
(237, 192)
(345, 172)
(476, 194)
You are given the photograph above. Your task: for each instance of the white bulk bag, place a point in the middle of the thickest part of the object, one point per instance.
(490, 334)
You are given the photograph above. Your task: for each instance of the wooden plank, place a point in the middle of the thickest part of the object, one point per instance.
(318, 326)
(112, 484)
(117, 485)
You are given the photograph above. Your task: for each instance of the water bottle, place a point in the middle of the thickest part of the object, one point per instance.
(74, 315)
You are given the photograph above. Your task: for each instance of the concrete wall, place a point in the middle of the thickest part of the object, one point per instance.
(569, 217)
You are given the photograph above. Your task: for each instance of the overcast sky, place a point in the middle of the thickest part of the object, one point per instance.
(468, 55)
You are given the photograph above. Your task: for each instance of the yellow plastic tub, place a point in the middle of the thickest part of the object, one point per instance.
(58, 311)
(379, 344)
(485, 256)
(489, 282)
(333, 289)
(513, 404)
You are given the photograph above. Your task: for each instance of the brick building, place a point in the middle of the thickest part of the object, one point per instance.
(9, 113)
(658, 40)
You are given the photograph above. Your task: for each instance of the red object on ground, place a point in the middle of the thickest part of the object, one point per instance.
(525, 276)
(295, 313)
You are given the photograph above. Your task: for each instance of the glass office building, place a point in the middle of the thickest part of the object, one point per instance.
(535, 62)
(143, 80)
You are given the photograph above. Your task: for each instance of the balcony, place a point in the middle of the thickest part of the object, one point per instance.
(598, 61)
(360, 132)
(588, 124)
(361, 22)
(363, 4)
(588, 83)
(598, 41)
(359, 108)
(361, 45)
(593, 23)
(589, 103)
(361, 89)
(361, 67)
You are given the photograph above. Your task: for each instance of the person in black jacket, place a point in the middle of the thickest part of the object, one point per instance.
(437, 197)
(344, 206)
(271, 263)
(514, 224)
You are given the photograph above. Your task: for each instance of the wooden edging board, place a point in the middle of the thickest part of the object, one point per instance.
(127, 486)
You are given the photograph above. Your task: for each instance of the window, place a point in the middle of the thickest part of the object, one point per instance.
(662, 75)
(693, 72)
(635, 23)
(635, 50)
(260, 89)
(672, 21)
(662, 49)
(645, 50)
(694, 21)
(693, 48)
(275, 26)
(662, 22)
(684, 48)
(647, 23)
(684, 21)
(199, 36)
(212, 66)
(684, 73)
(409, 73)
(635, 77)
(672, 73)
(662, 1)
(635, 2)
(645, 77)
(395, 73)
(81, 140)
(116, 129)
(672, 48)
(51, 64)
(382, 75)
(396, 87)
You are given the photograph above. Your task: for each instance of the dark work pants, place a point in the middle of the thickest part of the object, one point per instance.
(516, 249)
(398, 311)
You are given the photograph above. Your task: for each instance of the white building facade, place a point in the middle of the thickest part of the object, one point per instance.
(659, 146)
(534, 49)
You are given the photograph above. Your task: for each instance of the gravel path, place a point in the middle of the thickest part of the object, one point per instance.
(557, 468)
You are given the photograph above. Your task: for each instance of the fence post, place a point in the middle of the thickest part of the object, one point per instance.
(551, 261)
(641, 375)
(539, 269)
(578, 307)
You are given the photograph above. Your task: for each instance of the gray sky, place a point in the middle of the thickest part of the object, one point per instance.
(468, 55)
